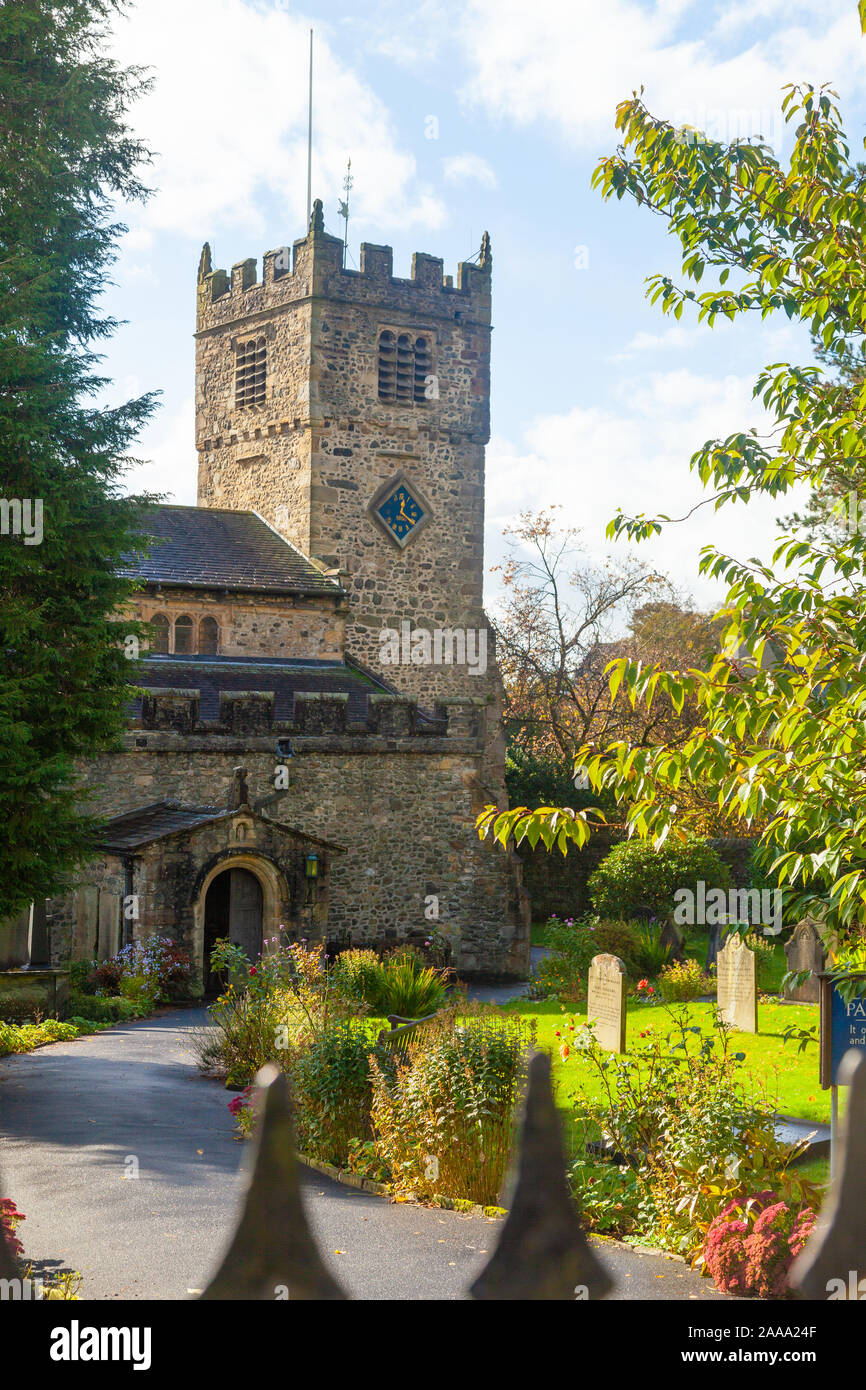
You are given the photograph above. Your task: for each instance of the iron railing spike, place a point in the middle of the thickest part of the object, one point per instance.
(272, 1254)
(836, 1251)
(542, 1252)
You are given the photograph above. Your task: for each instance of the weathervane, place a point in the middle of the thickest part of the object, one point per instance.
(343, 205)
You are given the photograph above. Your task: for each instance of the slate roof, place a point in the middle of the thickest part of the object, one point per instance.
(211, 674)
(124, 834)
(212, 547)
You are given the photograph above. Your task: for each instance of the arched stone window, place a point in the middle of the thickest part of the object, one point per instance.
(208, 637)
(159, 628)
(250, 372)
(183, 634)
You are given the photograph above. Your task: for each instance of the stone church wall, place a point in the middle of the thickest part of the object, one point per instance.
(253, 625)
(405, 818)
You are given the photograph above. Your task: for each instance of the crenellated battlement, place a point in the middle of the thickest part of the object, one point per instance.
(315, 714)
(314, 266)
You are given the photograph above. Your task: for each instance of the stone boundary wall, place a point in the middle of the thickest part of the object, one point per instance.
(559, 885)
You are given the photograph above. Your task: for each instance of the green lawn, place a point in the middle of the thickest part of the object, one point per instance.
(776, 1069)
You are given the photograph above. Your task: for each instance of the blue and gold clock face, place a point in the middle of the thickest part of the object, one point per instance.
(400, 512)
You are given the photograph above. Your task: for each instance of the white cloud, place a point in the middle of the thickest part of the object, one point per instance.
(227, 115)
(675, 338)
(569, 65)
(593, 461)
(468, 168)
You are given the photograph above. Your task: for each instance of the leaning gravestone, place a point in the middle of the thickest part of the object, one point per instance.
(804, 951)
(605, 1003)
(737, 976)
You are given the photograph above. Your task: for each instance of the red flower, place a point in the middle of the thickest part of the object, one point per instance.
(253, 970)
(642, 984)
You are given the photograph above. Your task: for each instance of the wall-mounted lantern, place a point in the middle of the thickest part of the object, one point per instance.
(311, 866)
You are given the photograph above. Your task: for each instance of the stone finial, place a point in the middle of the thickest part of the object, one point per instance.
(204, 262)
(833, 1258)
(273, 1253)
(317, 219)
(542, 1252)
(239, 795)
(485, 256)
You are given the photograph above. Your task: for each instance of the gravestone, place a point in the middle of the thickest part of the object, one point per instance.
(605, 1004)
(40, 940)
(108, 943)
(86, 923)
(804, 951)
(737, 976)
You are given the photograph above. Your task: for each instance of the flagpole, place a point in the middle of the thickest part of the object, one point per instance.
(310, 138)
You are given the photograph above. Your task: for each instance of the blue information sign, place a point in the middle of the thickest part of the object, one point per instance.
(847, 1030)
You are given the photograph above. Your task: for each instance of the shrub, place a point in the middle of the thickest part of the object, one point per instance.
(10, 1219)
(751, 1245)
(684, 980)
(653, 955)
(362, 974)
(443, 1119)
(401, 983)
(766, 966)
(19, 1005)
(102, 1008)
(608, 1194)
(676, 1110)
(159, 969)
(331, 1090)
(634, 879)
(412, 989)
(25, 1037)
(81, 976)
(245, 1034)
(106, 975)
(268, 1009)
(364, 1161)
(141, 990)
(621, 939)
(573, 944)
(243, 1109)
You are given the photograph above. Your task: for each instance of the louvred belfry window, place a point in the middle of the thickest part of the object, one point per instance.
(250, 373)
(404, 366)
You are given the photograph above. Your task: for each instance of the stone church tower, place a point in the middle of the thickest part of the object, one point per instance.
(351, 410)
(317, 723)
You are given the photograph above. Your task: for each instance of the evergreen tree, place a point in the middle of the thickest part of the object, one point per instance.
(66, 158)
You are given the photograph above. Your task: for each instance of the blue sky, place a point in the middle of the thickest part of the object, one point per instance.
(598, 400)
